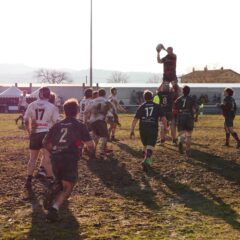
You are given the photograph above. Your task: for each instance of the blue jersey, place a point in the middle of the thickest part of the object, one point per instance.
(148, 114)
(229, 106)
(166, 101)
(67, 135)
(185, 104)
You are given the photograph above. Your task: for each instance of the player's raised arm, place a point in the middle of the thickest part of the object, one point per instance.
(159, 48)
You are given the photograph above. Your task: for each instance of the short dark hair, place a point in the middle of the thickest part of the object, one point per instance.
(101, 92)
(71, 107)
(186, 90)
(113, 89)
(88, 93)
(44, 92)
(229, 91)
(148, 95)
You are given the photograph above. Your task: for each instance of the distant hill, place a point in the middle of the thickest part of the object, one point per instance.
(17, 73)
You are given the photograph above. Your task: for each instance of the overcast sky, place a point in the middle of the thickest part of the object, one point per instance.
(56, 33)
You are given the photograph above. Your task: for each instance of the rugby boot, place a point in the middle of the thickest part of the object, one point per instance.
(188, 153)
(28, 183)
(180, 147)
(41, 173)
(113, 139)
(162, 141)
(52, 215)
(174, 142)
(226, 144)
(146, 164)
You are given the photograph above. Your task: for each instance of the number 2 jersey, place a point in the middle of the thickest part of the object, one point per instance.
(67, 135)
(148, 114)
(42, 114)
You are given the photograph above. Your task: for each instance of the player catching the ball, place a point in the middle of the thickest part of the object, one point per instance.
(169, 63)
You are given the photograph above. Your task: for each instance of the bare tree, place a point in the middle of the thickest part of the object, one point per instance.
(52, 76)
(155, 78)
(118, 77)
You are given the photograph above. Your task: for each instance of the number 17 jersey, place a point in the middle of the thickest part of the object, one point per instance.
(148, 114)
(42, 114)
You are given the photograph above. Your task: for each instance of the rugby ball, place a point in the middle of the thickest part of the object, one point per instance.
(159, 47)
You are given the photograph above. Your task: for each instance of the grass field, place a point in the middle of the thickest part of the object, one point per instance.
(196, 198)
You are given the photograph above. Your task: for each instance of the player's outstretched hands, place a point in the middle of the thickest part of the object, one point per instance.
(132, 134)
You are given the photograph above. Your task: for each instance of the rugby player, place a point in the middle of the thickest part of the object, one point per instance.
(22, 105)
(112, 117)
(176, 92)
(63, 141)
(45, 161)
(185, 108)
(169, 65)
(95, 115)
(165, 99)
(84, 103)
(39, 116)
(148, 114)
(229, 109)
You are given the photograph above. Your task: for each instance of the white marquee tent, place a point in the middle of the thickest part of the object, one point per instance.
(35, 94)
(11, 92)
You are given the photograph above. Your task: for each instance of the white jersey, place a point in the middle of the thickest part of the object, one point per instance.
(97, 109)
(42, 114)
(23, 101)
(83, 106)
(114, 100)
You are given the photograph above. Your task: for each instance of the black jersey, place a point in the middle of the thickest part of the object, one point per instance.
(166, 101)
(229, 106)
(185, 104)
(67, 135)
(148, 114)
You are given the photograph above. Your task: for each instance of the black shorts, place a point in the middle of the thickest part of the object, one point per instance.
(100, 128)
(111, 120)
(36, 140)
(22, 109)
(65, 167)
(88, 126)
(169, 78)
(185, 122)
(228, 121)
(148, 136)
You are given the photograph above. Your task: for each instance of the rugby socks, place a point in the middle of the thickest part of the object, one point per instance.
(188, 142)
(29, 178)
(103, 146)
(28, 183)
(227, 139)
(235, 136)
(148, 155)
